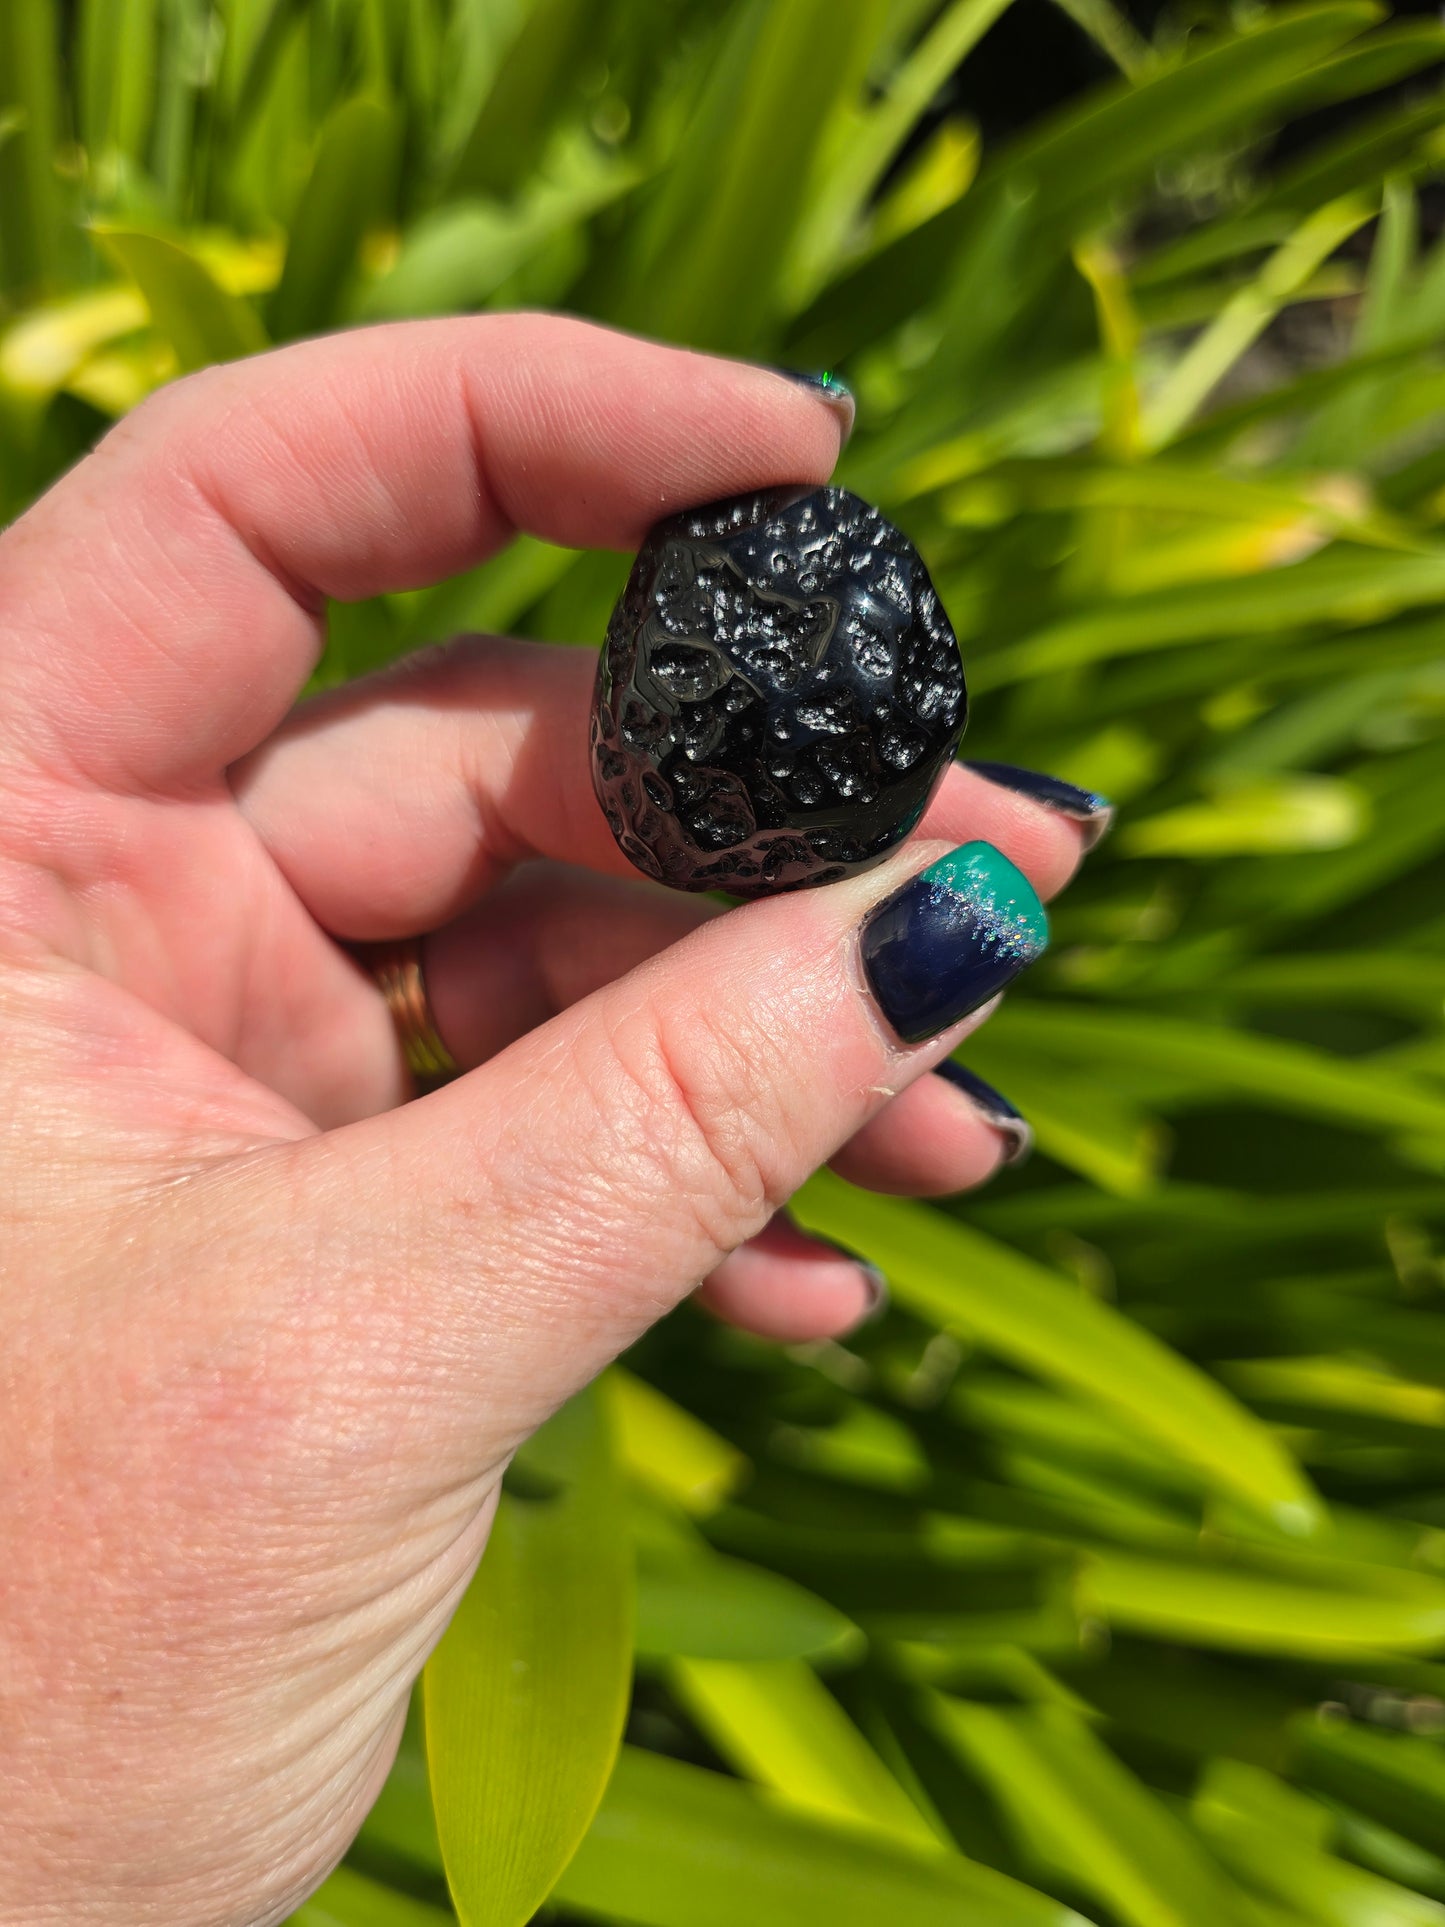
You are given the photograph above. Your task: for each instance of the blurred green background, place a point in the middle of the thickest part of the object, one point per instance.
(1107, 1573)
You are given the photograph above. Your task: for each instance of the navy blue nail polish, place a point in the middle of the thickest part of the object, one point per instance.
(1012, 1126)
(827, 387)
(874, 1282)
(950, 939)
(1094, 812)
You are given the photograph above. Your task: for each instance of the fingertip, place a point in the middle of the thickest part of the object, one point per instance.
(1009, 1124)
(830, 390)
(1047, 845)
(794, 1286)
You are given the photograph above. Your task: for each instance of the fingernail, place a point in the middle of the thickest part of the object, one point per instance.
(875, 1285)
(950, 939)
(827, 387)
(1012, 1126)
(874, 1282)
(1096, 813)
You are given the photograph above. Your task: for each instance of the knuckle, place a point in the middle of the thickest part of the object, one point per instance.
(709, 1088)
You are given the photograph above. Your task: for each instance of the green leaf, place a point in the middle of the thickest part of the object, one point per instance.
(1097, 1133)
(1340, 588)
(532, 88)
(30, 202)
(1267, 1858)
(717, 240)
(1247, 314)
(1111, 139)
(707, 1607)
(859, 157)
(1080, 161)
(967, 1282)
(528, 1688)
(348, 192)
(778, 1724)
(202, 322)
(461, 254)
(1246, 819)
(49, 345)
(1397, 1778)
(349, 1899)
(1191, 1603)
(492, 597)
(1112, 32)
(667, 1449)
(676, 1847)
(117, 60)
(1082, 1818)
(1172, 488)
(1276, 1074)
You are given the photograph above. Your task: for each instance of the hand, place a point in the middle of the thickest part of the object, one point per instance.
(268, 1335)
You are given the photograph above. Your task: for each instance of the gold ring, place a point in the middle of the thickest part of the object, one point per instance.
(398, 973)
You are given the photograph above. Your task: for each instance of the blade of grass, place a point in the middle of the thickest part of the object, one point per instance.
(668, 1450)
(116, 81)
(706, 1607)
(1112, 32)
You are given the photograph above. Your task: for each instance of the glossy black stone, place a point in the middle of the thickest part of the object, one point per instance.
(779, 694)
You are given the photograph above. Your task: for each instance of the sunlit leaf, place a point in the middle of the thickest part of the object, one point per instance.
(676, 1847)
(349, 1899)
(1079, 1814)
(668, 1449)
(1252, 1611)
(350, 185)
(707, 1607)
(30, 202)
(778, 1724)
(197, 316)
(968, 1282)
(528, 1688)
(1306, 813)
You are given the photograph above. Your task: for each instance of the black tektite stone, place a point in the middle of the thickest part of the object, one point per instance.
(779, 694)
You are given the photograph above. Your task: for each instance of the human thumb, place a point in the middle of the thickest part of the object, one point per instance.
(500, 1240)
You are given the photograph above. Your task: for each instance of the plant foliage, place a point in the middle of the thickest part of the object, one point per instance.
(1105, 1577)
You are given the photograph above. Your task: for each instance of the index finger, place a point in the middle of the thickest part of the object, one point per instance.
(163, 604)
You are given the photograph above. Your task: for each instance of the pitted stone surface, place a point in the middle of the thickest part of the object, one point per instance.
(778, 696)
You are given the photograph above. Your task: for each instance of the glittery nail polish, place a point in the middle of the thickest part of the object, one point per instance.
(1094, 812)
(827, 387)
(950, 939)
(1012, 1126)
